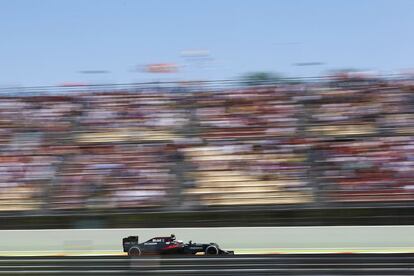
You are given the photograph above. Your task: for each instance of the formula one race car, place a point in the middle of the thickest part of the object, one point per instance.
(169, 245)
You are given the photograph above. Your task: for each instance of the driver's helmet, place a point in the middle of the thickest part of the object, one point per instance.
(173, 237)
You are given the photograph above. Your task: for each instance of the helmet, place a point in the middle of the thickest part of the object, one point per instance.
(172, 236)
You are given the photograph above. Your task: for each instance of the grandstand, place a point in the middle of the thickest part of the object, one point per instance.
(206, 145)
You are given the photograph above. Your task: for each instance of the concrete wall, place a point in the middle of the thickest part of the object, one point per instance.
(242, 240)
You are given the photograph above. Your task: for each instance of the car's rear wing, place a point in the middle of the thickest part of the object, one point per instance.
(128, 242)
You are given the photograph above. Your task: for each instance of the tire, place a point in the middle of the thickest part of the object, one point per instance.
(134, 252)
(212, 250)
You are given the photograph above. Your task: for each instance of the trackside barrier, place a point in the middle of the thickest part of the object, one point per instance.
(241, 239)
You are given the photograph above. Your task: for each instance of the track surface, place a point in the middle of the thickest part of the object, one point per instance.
(292, 264)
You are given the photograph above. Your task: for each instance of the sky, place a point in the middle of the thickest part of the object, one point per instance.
(48, 42)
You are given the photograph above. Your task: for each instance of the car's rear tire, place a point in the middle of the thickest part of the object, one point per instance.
(212, 250)
(134, 251)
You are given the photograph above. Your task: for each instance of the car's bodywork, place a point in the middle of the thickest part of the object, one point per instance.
(169, 245)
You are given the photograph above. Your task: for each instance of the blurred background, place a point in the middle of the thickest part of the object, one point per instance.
(192, 113)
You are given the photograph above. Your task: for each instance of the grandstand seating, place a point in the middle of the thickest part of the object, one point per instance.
(265, 145)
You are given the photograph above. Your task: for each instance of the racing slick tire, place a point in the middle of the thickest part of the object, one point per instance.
(134, 251)
(212, 250)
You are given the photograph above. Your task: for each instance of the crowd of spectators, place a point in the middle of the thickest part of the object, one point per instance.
(284, 144)
(252, 151)
(363, 141)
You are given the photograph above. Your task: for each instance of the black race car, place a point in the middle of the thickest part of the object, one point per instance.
(169, 245)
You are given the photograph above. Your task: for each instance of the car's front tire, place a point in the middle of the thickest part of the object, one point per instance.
(212, 250)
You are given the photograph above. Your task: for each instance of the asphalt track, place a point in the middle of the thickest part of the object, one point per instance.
(289, 264)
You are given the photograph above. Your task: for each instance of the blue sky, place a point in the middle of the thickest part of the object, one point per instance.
(47, 42)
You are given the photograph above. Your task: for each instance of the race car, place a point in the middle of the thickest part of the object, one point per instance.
(169, 245)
